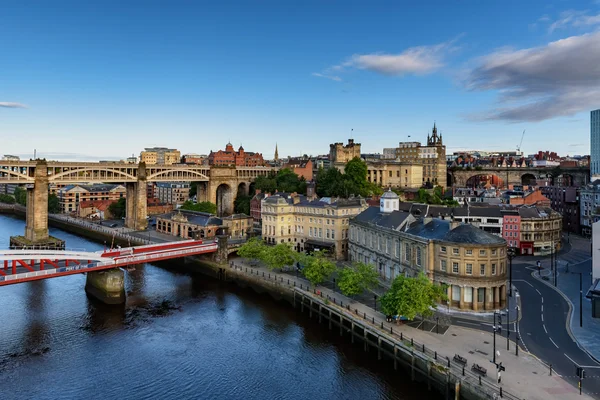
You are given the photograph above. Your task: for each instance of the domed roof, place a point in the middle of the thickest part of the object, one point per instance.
(390, 195)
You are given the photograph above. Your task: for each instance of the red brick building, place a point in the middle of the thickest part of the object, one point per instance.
(301, 167)
(239, 158)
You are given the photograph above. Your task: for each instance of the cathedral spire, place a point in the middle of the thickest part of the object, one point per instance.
(276, 153)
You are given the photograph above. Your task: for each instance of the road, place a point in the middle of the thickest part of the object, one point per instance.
(543, 328)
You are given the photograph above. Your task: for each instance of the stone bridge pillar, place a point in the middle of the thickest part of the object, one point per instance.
(107, 286)
(136, 200)
(36, 226)
(222, 253)
(141, 203)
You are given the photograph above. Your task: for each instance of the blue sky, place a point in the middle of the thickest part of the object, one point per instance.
(105, 79)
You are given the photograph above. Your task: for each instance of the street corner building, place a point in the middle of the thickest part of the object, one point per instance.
(470, 262)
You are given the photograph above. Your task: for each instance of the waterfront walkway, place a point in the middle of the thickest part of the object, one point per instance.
(525, 376)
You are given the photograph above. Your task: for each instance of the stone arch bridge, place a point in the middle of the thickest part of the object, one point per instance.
(219, 185)
(458, 178)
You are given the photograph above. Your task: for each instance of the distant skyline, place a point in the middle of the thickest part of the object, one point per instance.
(104, 80)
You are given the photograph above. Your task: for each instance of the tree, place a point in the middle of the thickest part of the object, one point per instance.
(410, 297)
(20, 195)
(253, 249)
(285, 180)
(317, 268)
(117, 209)
(279, 256)
(332, 183)
(53, 204)
(204, 206)
(7, 198)
(357, 278)
(241, 205)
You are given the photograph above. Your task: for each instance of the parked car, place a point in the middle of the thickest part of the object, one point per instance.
(113, 225)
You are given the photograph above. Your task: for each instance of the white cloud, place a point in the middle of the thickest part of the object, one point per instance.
(7, 104)
(539, 83)
(573, 18)
(418, 60)
(332, 77)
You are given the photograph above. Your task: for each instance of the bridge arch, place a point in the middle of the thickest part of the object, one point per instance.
(117, 174)
(528, 179)
(165, 174)
(242, 189)
(482, 180)
(16, 174)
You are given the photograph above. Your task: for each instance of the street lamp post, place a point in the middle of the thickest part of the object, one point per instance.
(517, 333)
(580, 298)
(507, 330)
(496, 328)
(510, 253)
(375, 301)
(555, 265)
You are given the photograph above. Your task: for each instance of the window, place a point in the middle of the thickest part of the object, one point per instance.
(455, 251)
(469, 252)
(333, 234)
(455, 267)
(419, 256)
(443, 265)
(469, 269)
(494, 251)
(443, 249)
(327, 233)
(320, 232)
(482, 269)
(482, 252)
(493, 269)
(406, 252)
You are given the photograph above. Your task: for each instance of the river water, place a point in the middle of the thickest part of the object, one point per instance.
(179, 336)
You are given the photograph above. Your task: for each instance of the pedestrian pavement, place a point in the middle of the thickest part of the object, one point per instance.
(525, 377)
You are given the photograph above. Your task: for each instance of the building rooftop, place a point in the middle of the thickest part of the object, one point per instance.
(194, 217)
(373, 215)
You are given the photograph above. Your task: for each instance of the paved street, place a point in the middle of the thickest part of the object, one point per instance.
(546, 324)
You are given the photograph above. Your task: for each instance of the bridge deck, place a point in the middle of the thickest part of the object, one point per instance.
(17, 266)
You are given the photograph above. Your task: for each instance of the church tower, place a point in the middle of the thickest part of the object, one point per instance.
(276, 153)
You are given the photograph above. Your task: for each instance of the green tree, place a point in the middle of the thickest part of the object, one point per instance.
(253, 249)
(266, 184)
(317, 267)
(241, 205)
(7, 198)
(279, 256)
(203, 206)
(53, 204)
(20, 195)
(117, 209)
(410, 297)
(357, 278)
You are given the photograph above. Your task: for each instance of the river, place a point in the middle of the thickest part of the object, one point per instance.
(179, 336)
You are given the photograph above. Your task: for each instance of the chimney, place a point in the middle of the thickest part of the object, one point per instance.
(454, 224)
(296, 199)
(257, 191)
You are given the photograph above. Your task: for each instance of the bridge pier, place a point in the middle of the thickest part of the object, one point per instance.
(107, 286)
(136, 202)
(36, 217)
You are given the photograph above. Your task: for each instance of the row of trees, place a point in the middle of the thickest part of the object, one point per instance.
(408, 296)
(333, 183)
(203, 206)
(317, 268)
(285, 180)
(437, 197)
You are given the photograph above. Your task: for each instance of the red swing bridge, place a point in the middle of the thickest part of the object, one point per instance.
(18, 266)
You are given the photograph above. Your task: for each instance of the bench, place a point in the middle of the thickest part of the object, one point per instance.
(479, 369)
(460, 360)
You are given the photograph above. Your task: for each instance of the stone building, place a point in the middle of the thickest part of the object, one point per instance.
(395, 174)
(470, 261)
(160, 155)
(589, 205)
(189, 224)
(238, 225)
(240, 158)
(432, 157)
(309, 225)
(340, 154)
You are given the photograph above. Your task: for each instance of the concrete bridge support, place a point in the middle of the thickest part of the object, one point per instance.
(107, 286)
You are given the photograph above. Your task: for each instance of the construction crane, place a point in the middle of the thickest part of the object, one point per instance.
(522, 136)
